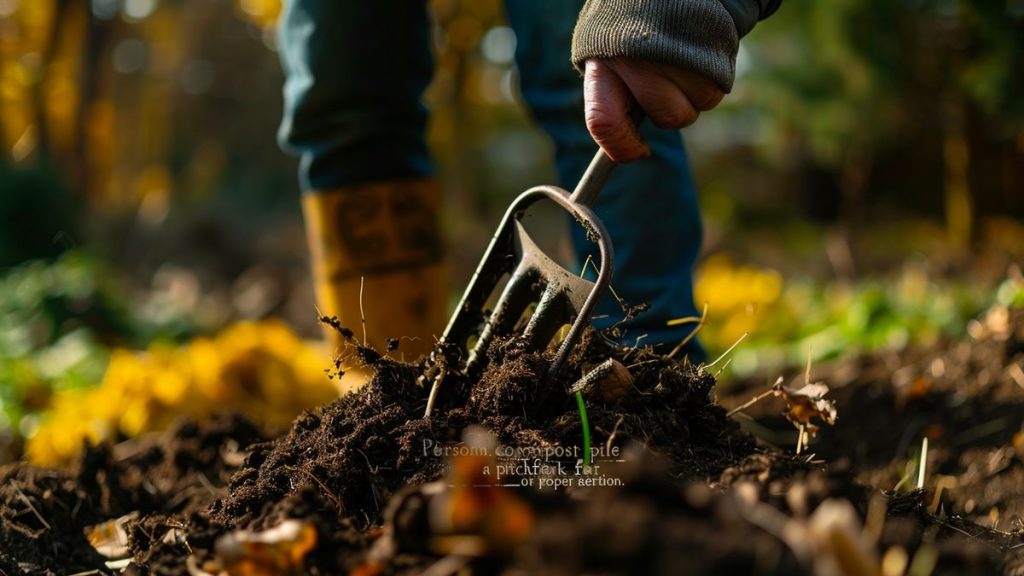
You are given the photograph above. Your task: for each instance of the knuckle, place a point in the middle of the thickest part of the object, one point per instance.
(690, 118)
(675, 117)
(621, 154)
(707, 98)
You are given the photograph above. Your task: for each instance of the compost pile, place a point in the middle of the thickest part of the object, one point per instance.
(367, 485)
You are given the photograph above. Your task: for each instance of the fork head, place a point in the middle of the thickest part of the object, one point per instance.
(561, 297)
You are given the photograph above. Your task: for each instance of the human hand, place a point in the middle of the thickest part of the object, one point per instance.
(671, 97)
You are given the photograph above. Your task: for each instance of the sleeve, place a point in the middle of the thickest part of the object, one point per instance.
(698, 35)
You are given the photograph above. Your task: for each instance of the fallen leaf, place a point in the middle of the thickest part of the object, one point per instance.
(279, 551)
(110, 538)
(806, 403)
(482, 515)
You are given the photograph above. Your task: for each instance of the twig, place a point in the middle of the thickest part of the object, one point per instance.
(907, 473)
(323, 487)
(32, 508)
(722, 369)
(923, 466)
(802, 439)
(943, 483)
(644, 362)
(693, 333)
(755, 399)
(590, 262)
(968, 534)
(615, 432)
(321, 318)
(362, 315)
(807, 373)
(451, 564)
(628, 312)
(726, 353)
(683, 320)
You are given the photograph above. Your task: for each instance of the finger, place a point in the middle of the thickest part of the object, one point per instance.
(607, 102)
(665, 102)
(703, 93)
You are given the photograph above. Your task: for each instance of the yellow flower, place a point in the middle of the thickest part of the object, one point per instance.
(259, 368)
(737, 297)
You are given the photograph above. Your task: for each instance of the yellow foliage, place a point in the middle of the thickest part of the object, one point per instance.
(736, 298)
(260, 369)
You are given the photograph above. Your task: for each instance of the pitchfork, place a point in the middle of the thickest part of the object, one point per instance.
(561, 297)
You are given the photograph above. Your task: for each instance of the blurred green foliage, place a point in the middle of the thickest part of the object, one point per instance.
(882, 108)
(820, 320)
(850, 69)
(58, 320)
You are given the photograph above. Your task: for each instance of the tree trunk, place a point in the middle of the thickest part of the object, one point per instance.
(957, 186)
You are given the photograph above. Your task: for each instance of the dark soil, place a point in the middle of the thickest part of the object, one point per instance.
(43, 512)
(967, 397)
(696, 494)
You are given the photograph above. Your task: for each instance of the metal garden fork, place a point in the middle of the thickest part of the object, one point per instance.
(561, 297)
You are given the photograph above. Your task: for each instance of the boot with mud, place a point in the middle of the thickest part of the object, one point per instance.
(376, 255)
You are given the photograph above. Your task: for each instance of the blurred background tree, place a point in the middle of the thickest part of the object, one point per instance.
(140, 111)
(890, 108)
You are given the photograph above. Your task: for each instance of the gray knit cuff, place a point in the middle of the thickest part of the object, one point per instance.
(697, 35)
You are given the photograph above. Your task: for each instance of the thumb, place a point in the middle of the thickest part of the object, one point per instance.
(607, 102)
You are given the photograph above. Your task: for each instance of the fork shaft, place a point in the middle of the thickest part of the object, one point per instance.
(599, 170)
(593, 179)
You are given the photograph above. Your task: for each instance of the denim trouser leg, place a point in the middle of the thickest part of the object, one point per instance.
(649, 207)
(355, 73)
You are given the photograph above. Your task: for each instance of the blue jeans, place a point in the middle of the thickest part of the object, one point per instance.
(355, 75)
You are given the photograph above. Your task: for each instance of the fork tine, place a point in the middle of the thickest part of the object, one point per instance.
(516, 297)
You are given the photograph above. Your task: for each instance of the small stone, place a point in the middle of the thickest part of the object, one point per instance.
(609, 381)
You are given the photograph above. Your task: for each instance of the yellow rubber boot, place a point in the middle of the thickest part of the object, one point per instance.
(380, 241)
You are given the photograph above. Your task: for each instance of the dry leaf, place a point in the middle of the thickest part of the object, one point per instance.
(110, 538)
(278, 551)
(831, 542)
(802, 405)
(468, 513)
(806, 403)
(476, 514)
(839, 544)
